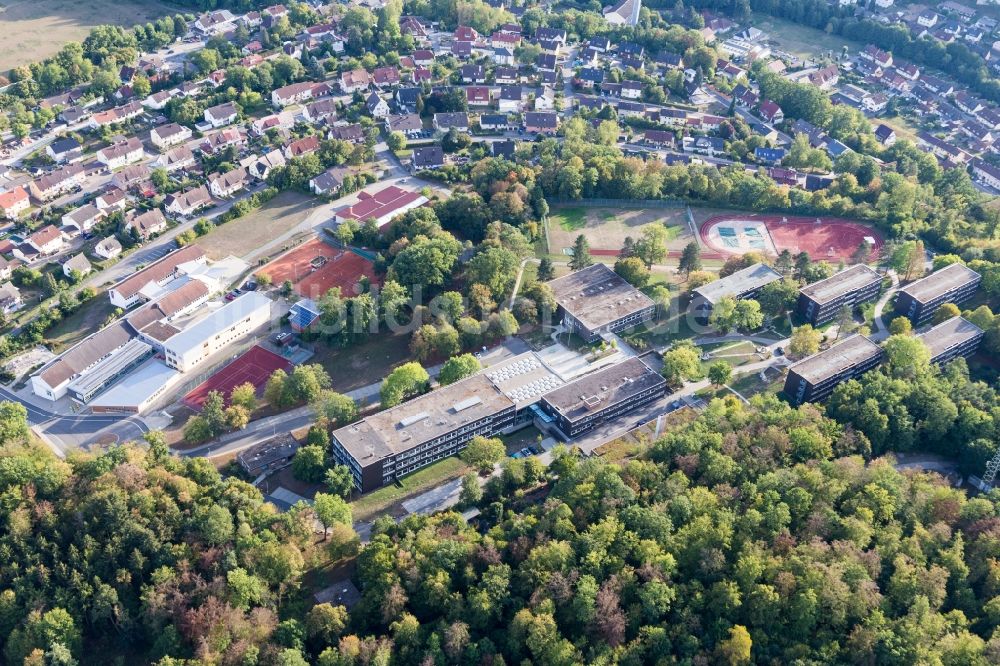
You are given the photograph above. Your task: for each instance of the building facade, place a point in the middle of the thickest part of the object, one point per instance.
(813, 378)
(820, 301)
(955, 283)
(952, 338)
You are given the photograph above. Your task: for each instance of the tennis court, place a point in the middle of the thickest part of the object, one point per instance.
(255, 367)
(315, 267)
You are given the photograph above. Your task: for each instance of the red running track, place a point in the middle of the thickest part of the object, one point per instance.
(833, 239)
(255, 366)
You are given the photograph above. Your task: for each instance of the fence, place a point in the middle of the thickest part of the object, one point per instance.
(234, 351)
(618, 203)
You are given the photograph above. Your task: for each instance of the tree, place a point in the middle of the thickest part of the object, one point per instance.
(326, 622)
(244, 395)
(276, 389)
(330, 510)
(736, 649)
(680, 364)
(309, 464)
(900, 326)
(339, 480)
(458, 367)
(197, 430)
(945, 312)
(690, 259)
(863, 254)
(719, 373)
(652, 245)
(335, 409)
(495, 267)
(804, 342)
(581, 254)
(403, 382)
(778, 297)
(396, 141)
(906, 355)
(748, 315)
(483, 453)
(14, 427)
(471, 492)
(237, 417)
(633, 271)
(545, 270)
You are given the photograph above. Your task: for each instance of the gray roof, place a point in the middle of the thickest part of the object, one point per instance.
(603, 388)
(431, 415)
(939, 282)
(597, 296)
(740, 282)
(949, 334)
(838, 358)
(838, 284)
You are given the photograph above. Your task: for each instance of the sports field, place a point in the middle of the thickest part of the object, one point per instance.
(828, 239)
(315, 267)
(255, 366)
(607, 228)
(34, 30)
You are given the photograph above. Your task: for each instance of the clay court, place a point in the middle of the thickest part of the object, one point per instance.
(828, 239)
(315, 267)
(255, 366)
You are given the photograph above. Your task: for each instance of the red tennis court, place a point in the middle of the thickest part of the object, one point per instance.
(315, 267)
(255, 366)
(829, 239)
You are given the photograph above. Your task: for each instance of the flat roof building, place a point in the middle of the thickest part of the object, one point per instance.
(952, 338)
(955, 283)
(589, 401)
(814, 378)
(388, 445)
(745, 283)
(596, 300)
(144, 386)
(231, 322)
(820, 301)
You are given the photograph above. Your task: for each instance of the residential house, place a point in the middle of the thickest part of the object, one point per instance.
(428, 157)
(423, 58)
(659, 138)
(771, 112)
(221, 115)
(505, 75)
(189, 202)
(13, 203)
(64, 149)
(495, 122)
(47, 241)
(276, 121)
(116, 116)
(446, 121)
(409, 124)
(320, 110)
(168, 135)
(377, 106)
(295, 93)
(825, 77)
(353, 133)
(111, 199)
(986, 173)
(158, 100)
(631, 90)
(10, 298)
(473, 74)
(83, 218)
(130, 176)
(705, 145)
(223, 186)
(77, 265)
(588, 77)
(300, 147)
(503, 55)
(109, 248)
(329, 182)
(147, 224)
(57, 182)
(121, 154)
(176, 159)
(221, 140)
(385, 77)
(262, 166)
(624, 12)
(478, 95)
(544, 122)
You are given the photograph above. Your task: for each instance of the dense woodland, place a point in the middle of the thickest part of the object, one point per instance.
(745, 534)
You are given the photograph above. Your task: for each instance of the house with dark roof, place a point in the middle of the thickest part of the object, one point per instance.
(428, 157)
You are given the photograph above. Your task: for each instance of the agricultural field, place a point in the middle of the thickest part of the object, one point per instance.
(240, 237)
(36, 30)
(607, 228)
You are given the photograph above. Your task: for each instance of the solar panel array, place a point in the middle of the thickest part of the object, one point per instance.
(537, 387)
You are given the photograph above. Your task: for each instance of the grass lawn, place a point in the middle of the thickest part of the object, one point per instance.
(378, 501)
(242, 236)
(33, 31)
(365, 363)
(516, 441)
(80, 324)
(571, 219)
(801, 40)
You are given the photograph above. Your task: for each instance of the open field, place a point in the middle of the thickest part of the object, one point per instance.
(377, 501)
(36, 30)
(240, 237)
(801, 40)
(363, 363)
(74, 328)
(606, 228)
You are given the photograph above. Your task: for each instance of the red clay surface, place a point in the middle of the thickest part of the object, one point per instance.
(342, 269)
(255, 366)
(674, 254)
(832, 240)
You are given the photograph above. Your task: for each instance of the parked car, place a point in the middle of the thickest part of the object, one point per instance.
(283, 339)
